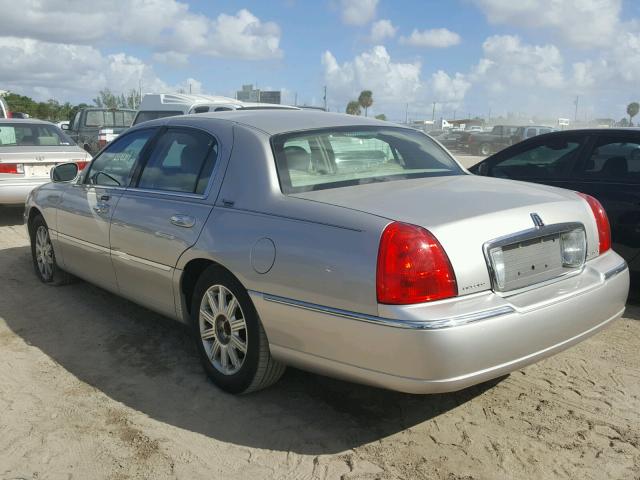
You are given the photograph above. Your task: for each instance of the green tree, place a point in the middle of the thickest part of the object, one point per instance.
(106, 99)
(365, 100)
(353, 108)
(382, 116)
(632, 110)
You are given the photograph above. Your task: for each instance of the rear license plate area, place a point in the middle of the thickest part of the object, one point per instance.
(41, 170)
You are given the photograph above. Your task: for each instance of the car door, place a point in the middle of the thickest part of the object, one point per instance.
(548, 159)
(162, 215)
(85, 211)
(611, 173)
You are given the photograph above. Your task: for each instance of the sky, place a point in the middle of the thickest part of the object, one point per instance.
(470, 57)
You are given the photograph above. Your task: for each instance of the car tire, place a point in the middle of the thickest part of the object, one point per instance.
(485, 149)
(43, 255)
(231, 342)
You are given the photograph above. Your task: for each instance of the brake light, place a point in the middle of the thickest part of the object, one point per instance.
(412, 267)
(602, 222)
(81, 164)
(9, 114)
(15, 168)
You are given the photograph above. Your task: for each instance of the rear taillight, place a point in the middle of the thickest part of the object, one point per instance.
(15, 168)
(412, 267)
(602, 222)
(9, 115)
(81, 164)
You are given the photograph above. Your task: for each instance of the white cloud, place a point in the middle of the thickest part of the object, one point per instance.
(449, 90)
(164, 25)
(174, 59)
(509, 62)
(381, 30)
(583, 23)
(74, 72)
(436, 38)
(391, 82)
(358, 12)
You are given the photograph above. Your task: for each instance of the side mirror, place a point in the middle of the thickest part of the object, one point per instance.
(65, 126)
(483, 169)
(65, 172)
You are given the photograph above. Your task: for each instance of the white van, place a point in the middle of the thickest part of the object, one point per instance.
(159, 105)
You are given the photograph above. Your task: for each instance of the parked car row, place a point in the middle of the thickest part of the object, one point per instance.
(332, 242)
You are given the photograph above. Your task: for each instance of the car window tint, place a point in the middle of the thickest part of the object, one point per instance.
(546, 160)
(145, 116)
(614, 158)
(181, 161)
(114, 166)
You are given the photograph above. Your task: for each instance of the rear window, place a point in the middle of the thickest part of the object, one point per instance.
(109, 118)
(32, 134)
(145, 116)
(332, 158)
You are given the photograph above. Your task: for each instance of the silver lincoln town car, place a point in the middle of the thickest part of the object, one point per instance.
(347, 246)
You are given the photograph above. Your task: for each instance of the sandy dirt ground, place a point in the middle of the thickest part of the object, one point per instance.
(92, 387)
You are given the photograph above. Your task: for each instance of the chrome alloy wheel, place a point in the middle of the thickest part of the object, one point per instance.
(223, 329)
(44, 253)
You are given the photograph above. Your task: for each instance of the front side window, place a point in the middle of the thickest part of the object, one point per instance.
(32, 134)
(342, 156)
(614, 158)
(549, 159)
(114, 166)
(181, 161)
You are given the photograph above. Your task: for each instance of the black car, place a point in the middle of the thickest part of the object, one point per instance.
(604, 163)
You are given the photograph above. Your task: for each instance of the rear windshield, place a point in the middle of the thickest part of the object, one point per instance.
(109, 118)
(32, 134)
(338, 157)
(145, 116)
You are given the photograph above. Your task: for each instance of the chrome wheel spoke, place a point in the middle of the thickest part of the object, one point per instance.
(224, 358)
(222, 300)
(212, 302)
(238, 344)
(215, 351)
(209, 334)
(237, 325)
(230, 311)
(233, 356)
(207, 317)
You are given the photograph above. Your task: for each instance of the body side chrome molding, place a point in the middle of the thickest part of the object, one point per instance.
(435, 324)
(615, 271)
(116, 253)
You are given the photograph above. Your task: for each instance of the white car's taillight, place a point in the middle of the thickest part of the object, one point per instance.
(412, 267)
(15, 168)
(602, 222)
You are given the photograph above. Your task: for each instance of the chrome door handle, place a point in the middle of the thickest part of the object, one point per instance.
(101, 207)
(185, 221)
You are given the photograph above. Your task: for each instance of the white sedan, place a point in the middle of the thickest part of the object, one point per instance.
(29, 149)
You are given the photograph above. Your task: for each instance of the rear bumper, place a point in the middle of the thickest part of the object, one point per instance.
(452, 344)
(14, 192)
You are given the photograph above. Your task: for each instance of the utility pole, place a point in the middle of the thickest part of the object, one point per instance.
(325, 98)
(454, 115)
(406, 114)
(189, 88)
(295, 101)
(575, 116)
(433, 113)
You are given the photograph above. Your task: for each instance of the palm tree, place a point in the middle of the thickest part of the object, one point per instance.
(365, 100)
(353, 108)
(632, 110)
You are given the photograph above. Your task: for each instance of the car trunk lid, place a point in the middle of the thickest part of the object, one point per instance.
(464, 212)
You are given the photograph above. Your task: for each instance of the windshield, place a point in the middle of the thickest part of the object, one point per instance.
(32, 134)
(337, 157)
(109, 118)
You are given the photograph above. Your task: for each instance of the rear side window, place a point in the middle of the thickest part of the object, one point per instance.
(114, 166)
(549, 159)
(614, 158)
(181, 161)
(109, 118)
(145, 116)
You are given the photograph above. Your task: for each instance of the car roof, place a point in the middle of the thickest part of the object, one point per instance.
(24, 120)
(278, 121)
